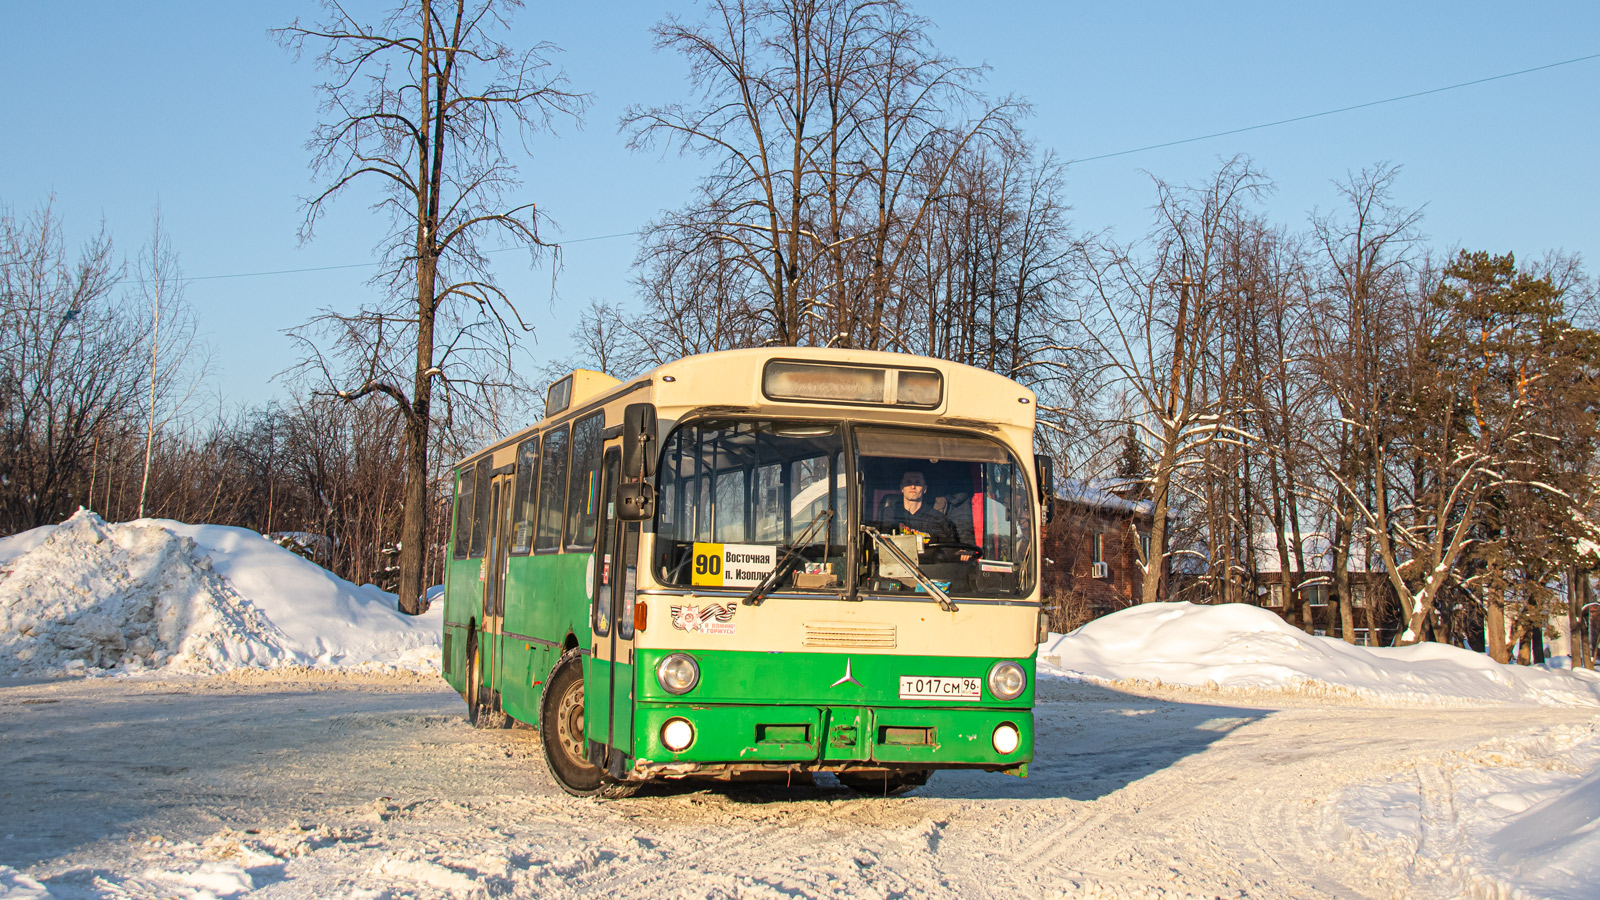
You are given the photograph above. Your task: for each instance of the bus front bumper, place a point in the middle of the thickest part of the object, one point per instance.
(831, 738)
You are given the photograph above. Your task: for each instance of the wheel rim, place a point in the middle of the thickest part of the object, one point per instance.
(569, 724)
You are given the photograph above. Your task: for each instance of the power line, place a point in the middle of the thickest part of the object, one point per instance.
(1333, 112)
(1164, 144)
(365, 265)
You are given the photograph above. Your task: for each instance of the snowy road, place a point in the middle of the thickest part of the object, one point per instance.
(266, 786)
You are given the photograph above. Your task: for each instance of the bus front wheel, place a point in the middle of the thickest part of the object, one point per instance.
(561, 730)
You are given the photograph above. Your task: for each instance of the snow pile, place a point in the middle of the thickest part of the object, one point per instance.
(16, 886)
(1514, 817)
(153, 594)
(1239, 646)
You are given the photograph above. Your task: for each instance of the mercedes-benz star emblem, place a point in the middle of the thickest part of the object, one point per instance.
(848, 678)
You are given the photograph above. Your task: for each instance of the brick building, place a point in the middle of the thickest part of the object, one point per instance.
(1309, 601)
(1091, 553)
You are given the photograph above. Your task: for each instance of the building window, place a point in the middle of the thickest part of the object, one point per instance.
(1275, 596)
(1315, 594)
(1358, 596)
(1144, 546)
(1097, 548)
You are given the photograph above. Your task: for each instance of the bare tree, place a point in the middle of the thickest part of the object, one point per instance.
(1367, 253)
(833, 128)
(69, 368)
(1155, 321)
(420, 104)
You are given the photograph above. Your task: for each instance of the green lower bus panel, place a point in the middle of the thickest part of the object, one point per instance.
(912, 735)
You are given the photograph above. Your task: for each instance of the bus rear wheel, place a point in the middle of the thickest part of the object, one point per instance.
(474, 696)
(561, 730)
(483, 707)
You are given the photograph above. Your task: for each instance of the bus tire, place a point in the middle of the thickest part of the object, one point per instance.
(561, 731)
(474, 694)
(483, 707)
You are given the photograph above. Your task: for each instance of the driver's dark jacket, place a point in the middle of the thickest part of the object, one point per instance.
(926, 520)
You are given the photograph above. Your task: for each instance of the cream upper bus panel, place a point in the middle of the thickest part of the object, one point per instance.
(733, 379)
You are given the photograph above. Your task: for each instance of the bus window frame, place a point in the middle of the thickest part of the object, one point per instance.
(539, 536)
(480, 508)
(462, 528)
(530, 503)
(573, 518)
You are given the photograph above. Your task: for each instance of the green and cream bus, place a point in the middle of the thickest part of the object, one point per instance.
(756, 564)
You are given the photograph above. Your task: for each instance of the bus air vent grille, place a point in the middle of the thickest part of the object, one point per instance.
(849, 634)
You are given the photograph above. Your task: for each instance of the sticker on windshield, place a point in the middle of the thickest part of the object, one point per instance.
(732, 565)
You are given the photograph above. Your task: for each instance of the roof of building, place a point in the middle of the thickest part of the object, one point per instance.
(1102, 493)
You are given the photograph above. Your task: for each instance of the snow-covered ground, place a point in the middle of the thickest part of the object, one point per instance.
(157, 595)
(271, 747)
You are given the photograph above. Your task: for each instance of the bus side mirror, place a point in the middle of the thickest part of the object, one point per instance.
(636, 496)
(638, 441)
(636, 502)
(1044, 469)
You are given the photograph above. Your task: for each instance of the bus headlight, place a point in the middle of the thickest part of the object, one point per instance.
(1007, 681)
(678, 674)
(1006, 739)
(677, 734)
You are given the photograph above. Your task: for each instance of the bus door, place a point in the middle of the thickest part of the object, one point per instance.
(616, 568)
(496, 560)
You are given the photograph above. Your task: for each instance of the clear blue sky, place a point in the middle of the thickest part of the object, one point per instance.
(119, 106)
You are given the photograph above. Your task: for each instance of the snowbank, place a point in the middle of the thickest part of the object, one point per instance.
(87, 596)
(1239, 646)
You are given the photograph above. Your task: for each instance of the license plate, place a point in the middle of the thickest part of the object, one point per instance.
(915, 687)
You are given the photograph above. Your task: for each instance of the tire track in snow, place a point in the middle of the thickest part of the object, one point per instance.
(678, 868)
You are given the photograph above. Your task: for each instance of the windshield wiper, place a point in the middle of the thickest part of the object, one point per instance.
(760, 591)
(945, 603)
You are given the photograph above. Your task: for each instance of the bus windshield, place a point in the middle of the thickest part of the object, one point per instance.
(956, 505)
(737, 496)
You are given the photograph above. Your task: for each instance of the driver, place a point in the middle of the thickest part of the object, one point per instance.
(910, 515)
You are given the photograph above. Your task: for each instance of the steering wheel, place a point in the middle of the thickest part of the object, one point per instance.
(954, 551)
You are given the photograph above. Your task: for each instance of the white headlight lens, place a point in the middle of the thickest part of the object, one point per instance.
(1006, 738)
(677, 734)
(1007, 681)
(678, 673)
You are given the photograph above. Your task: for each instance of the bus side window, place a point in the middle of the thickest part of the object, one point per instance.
(628, 581)
(523, 512)
(730, 506)
(766, 500)
(552, 490)
(605, 552)
(583, 489)
(464, 510)
(480, 509)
